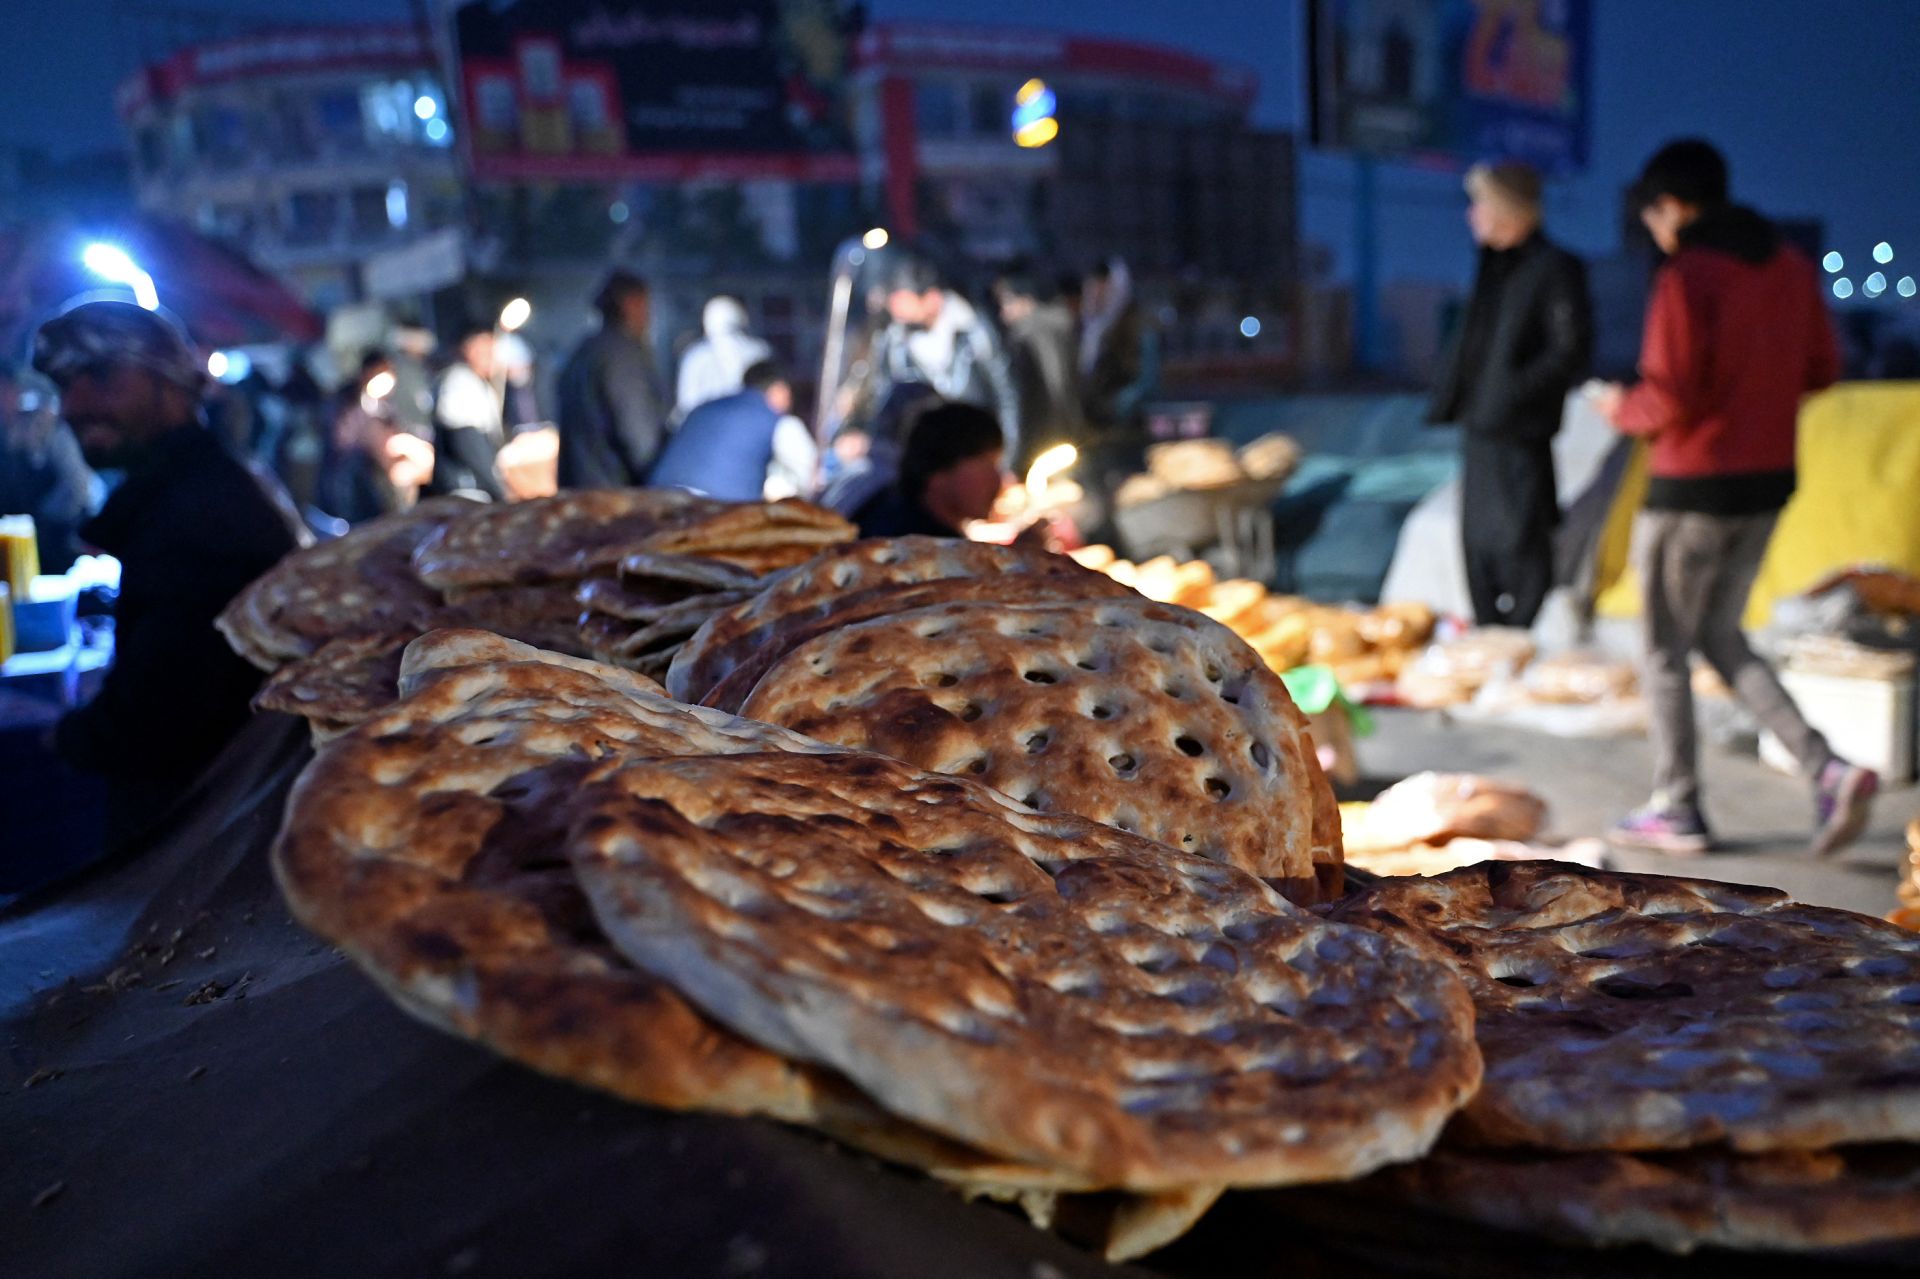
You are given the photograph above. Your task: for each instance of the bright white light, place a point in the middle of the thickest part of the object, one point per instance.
(217, 364)
(619, 212)
(1250, 327)
(1906, 286)
(515, 314)
(1843, 288)
(436, 130)
(396, 204)
(1876, 285)
(111, 263)
(380, 385)
(1833, 262)
(425, 107)
(875, 239)
(1883, 252)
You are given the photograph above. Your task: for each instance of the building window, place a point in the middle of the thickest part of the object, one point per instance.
(221, 136)
(312, 217)
(150, 145)
(990, 111)
(291, 130)
(341, 127)
(936, 109)
(367, 213)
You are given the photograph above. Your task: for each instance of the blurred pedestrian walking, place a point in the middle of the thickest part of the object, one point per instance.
(935, 344)
(1737, 333)
(1526, 340)
(468, 420)
(1119, 372)
(1043, 350)
(612, 410)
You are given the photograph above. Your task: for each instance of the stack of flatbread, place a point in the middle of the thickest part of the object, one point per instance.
(582, 573)
(693, 910)
(1673, 1062)
(978, 860)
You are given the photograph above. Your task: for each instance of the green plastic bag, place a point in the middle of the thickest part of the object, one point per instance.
(1314, 689)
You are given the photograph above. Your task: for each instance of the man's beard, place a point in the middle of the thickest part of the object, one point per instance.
(106, 447)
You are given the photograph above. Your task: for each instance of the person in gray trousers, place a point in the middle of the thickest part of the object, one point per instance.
(1736, 335)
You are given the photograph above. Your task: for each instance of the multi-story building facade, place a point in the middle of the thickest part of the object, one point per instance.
(310, 150)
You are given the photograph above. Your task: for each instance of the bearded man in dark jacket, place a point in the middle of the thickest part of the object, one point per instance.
(1526, 340)
(190, 524)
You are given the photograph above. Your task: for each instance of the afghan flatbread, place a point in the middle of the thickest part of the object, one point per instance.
(1644, 1012)
(814, 589)
(429, 846)
(347, 680)
(1142, 716)
(1037, 986)
(563, 538)
(1791, 1200)
(360, 582)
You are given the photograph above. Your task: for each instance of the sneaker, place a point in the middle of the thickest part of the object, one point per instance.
(1842, 802)
(1678, 829)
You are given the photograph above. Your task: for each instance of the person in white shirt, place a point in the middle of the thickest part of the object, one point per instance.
(714, 366)
(468, 423)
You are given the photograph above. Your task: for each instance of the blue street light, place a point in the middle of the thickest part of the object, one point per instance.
(113, 264)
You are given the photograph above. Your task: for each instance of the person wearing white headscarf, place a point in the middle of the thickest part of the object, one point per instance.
(713, 366)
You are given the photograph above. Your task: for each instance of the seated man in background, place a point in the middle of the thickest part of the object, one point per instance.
(736, 447)
(190, 524)
(951, 472)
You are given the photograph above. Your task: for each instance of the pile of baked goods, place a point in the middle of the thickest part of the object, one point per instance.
(1364, 647)
(622, 575)
(1907, 913)
(1673, 1062)
(1453, 672)
(1204, 464)
(982, 862)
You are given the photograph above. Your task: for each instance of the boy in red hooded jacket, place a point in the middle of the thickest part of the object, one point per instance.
(1736, 334)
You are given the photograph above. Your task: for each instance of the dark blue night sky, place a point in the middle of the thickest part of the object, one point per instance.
(1817, 104)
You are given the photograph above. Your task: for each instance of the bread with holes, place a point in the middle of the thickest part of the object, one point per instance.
(1036, 985)
(1142, 716)
(782, 637)
(429, 846)
(359, 583)
(1645, 1012)
(1779, 1201)
(806, 594)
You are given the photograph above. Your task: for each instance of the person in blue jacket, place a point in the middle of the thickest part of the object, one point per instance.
(729, 448)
